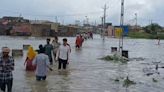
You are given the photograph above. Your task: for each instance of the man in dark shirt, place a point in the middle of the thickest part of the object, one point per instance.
(6, 68)
(48, 50)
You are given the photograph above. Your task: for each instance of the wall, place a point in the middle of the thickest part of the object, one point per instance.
(40, 30)
(21, 29)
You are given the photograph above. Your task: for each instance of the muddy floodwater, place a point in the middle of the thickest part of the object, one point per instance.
(87, 73)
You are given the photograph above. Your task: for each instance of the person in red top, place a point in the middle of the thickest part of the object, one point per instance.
(79, 41)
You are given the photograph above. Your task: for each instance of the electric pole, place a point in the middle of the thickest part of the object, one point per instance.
(102, 27)
(104, 19)
(105, 8)
(87, 20)
(56, 18)
(121, 25)
(136, 18)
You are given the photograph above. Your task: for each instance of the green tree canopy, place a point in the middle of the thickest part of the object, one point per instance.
(153, 28)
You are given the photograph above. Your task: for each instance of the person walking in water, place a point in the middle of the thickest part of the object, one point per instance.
(42, 64)
(158, 40)
(79, 41)
(48, 50)
(30, 56)
(56, 45)
(6, 68)
(63, 54)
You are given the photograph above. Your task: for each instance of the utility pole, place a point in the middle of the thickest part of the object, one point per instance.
(87, 19)
(102, 33)
(56, 18)
(104, 19)
(121, 25)
(95, 23)
(136, 18)
(105, 8)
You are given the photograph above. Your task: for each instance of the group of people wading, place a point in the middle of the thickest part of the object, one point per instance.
(80, 39)
(41, 60)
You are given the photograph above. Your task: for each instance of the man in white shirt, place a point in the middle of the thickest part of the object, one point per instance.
(63, 54)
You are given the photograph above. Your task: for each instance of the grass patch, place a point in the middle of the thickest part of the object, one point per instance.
(144, 35)
(141, 35)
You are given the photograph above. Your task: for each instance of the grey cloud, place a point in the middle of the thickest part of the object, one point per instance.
(48, 9)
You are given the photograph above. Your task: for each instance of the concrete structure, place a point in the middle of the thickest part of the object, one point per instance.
(25, 46)
(110, 31)
(69, 30)
(40, 30)
(18, 26)
(21, 29)
(15, 19)
(17, 52)
(44, 28)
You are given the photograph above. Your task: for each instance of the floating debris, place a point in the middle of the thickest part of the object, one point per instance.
(137, 59)
(154, 80)
(117, 80)
(128, 82)
(107, 58)
(115, 59)
(148, 74)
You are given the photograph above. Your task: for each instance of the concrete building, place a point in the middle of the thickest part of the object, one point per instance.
(15, 19)
(39, 30)
(69, 30)
(21, 29)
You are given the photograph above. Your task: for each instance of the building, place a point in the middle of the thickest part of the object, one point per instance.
(21, 29)
(68, 30)
(44, 28)
(15, 19)
(39, 30)
(119, 30)
(110, 32)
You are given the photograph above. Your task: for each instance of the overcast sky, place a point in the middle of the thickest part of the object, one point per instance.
(70, 10)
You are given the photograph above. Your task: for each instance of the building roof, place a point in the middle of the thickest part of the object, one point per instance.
(12, 18)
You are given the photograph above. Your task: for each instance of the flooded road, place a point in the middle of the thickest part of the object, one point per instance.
(86, 73)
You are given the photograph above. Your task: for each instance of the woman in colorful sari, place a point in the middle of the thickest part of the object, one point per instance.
(30, 56)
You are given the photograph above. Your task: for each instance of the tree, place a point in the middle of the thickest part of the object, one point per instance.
(153, 28)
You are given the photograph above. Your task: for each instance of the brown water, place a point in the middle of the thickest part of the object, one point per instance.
(86, 73)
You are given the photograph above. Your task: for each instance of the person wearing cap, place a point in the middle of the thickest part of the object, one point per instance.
(63, 54)
(6, 68)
